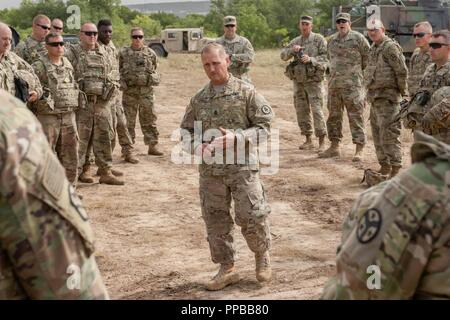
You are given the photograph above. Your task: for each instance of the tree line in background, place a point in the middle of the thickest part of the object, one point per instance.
(266, 23)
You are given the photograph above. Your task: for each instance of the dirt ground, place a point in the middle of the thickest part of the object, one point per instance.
(151, 239)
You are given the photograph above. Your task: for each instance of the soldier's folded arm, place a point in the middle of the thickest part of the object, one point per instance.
(247, 56)
(395, 58)
(364, 48)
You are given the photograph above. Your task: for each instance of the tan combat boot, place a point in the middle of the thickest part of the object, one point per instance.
(322, 143)
(86, 176)
(107, 177)
(129, 157)
(153, 151)
(385, 169)
(227, 275)
(308, 144)
(394, 171)
(332, 151)
(114, 172)
(263, 269)
(358, 153)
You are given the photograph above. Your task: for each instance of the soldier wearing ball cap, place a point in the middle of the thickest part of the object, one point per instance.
(309, 61)
(239, 49)
(347, 53)
(385, 79)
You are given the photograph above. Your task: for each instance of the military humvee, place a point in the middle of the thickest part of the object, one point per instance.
(183, 40)
(398, 17)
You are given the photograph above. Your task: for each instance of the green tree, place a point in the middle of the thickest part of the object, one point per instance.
(325, 8)
(253, 25)
(165, 19)
(151, 27)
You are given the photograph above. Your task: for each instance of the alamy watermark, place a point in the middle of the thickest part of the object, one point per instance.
(74, 20)
(252, 147)
(374, 280)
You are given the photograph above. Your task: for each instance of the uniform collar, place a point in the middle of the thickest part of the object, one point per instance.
(229, 88)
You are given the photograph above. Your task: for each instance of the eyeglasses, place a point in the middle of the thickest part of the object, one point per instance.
(56, 44)
(230, 26)
(419, 35)
(341, 21)
(436, 45)
(137, 36)
(90, 33)
(43, 27)
(57, 28)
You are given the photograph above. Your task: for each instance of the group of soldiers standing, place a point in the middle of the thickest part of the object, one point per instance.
(84, 94)
(360, 73)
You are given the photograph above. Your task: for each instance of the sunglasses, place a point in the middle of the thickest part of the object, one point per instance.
(57, 28)
(56, 44)
(230, 26)
(137, 37)
(90, 33)
(437, 45)
(341, 21)
(44, 27)
(419, 35)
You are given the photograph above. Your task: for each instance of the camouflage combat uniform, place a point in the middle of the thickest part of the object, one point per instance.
(417, 65)
(138, 76)
(434, 79)
(438, 115)
(241, 54)
(236, 106)
(46, 241)
(94, 117)
(30, 49)
(56, 111)
(11, 66)
(401, 226)
(385, 78)
(348, 59)
(307, 79)
(119, 119)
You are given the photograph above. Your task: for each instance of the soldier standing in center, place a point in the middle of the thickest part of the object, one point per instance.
(310, 59)
(347, 52)
(56, 109)
(385, 78)
(242, 115)
(105, 31)
(239, 49)
(94, 118)
(34, 46)
(138, 75)
(421, 58)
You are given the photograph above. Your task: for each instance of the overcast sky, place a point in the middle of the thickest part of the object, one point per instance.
(16, 3)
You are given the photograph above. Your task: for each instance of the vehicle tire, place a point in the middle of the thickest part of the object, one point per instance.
(159, 50)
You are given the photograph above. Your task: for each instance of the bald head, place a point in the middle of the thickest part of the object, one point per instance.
(5, 38)
(57, 26)
(88, 35)
(214, 47)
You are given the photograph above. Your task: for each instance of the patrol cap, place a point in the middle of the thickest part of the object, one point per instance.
(229, 20)
(374, 24)
(343, 16)
(442, 37)
(306, 19)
